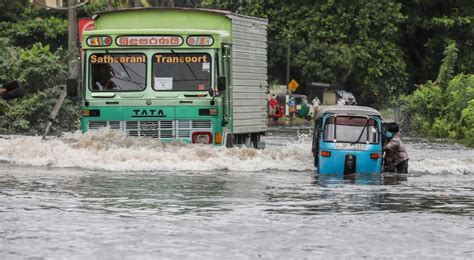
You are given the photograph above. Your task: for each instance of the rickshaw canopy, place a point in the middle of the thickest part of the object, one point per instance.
(347, 110)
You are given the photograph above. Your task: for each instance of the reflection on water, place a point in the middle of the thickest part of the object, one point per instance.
(198, 193)
(107, 193)
(164, 194)
(361, 179)
(372, 193)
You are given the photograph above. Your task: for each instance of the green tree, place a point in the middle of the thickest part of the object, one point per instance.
(29, 24)
(429, 27)
(350, 43)
(11, 9)
(377, 49)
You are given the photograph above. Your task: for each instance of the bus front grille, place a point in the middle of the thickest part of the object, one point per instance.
(163, 129)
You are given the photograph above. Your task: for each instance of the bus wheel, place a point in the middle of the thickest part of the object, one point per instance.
(229, 142)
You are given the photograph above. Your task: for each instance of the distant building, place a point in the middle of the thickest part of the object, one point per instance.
(277, 89)
(329, 94)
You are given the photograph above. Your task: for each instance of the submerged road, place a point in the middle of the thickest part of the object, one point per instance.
(108, 196)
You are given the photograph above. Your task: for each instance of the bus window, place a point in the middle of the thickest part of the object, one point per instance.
(351, 129)
(181, 71)
(117, 72)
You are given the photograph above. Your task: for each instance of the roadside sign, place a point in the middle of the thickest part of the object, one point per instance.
(293, 85)
(84, 24)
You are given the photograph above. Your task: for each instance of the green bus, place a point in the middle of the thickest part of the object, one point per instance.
(177, 74)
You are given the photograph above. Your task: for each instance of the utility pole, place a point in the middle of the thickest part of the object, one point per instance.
(72, 31)
(288, 53)
(72, 64)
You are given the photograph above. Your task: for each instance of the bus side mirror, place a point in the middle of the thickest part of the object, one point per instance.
(71, 87)
(221, 85)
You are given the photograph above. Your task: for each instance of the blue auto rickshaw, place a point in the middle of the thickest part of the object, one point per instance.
(348, 140)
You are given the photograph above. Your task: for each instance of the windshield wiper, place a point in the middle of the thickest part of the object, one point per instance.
(123, 66)
(362, 132)
(187, 65)
(126, 69)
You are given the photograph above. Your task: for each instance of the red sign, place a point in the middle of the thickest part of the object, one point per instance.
(149, 41)
(84, 24)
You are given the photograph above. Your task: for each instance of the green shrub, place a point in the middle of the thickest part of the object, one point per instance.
(467, 123)
(42, 74)
(445, 108)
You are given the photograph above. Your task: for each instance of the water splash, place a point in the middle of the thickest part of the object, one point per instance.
(111, 151)
(443, 166)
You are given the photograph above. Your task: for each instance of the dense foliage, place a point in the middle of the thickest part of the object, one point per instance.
(428, 28)
(444, 108)
(353, 44)
(42, 73)
(380, 50)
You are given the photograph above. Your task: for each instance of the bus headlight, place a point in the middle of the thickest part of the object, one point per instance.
(202, 138)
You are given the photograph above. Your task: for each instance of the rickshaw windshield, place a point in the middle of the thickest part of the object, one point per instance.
(350, 129)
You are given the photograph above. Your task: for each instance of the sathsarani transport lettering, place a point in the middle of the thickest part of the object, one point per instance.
(117, 59)
(183, 59)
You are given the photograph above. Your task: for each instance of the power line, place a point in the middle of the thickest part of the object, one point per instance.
(60, 8)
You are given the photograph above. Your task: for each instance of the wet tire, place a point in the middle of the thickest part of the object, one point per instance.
(229, 142)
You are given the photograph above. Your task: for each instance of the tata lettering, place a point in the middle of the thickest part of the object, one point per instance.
(148, 113)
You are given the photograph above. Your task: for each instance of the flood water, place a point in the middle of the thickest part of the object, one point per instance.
(106, 196)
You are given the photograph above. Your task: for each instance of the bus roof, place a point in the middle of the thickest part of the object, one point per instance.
(347, 110)
(215, 11)
(180, 9)
(224, 26)
(142, 18)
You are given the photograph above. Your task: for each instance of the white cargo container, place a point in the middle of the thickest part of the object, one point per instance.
(249, 77)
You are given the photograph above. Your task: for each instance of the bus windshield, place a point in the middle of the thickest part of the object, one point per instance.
(181, 71)
(117, 72)
(349, 129)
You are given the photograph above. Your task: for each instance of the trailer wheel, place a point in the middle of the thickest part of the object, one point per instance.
(254, 140)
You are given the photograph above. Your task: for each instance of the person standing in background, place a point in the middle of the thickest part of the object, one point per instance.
(313, 110)
(272, 103)
(292, 108)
